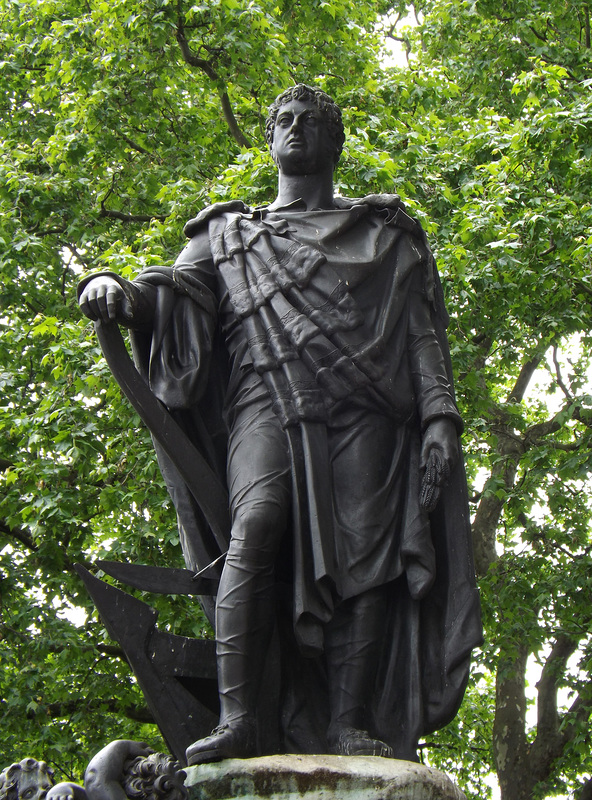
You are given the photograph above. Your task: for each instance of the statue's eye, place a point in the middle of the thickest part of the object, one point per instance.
(28, 793)
(284, 122)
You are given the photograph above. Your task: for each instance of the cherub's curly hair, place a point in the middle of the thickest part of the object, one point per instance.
(324, 103)
(156, 777)
(10, 776)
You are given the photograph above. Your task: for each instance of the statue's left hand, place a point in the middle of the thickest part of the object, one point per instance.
(439, 454)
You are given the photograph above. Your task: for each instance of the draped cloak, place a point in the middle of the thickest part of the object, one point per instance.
(332, 316)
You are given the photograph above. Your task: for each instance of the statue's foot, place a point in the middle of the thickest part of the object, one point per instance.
(347, 741)
(234, 739)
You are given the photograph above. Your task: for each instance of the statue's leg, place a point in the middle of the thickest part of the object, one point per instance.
(260, 490)
(370, 465)
(353, 640)
(245, 610)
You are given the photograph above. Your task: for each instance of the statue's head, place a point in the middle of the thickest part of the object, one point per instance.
(28, 779)
(156, 777)
(327, 107)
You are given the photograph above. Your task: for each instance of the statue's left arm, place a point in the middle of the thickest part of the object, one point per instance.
(440, 421)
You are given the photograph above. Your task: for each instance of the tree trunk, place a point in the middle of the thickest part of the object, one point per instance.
(510, 746)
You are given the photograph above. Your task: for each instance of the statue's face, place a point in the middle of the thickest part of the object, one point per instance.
(302, 143)
(34, 784)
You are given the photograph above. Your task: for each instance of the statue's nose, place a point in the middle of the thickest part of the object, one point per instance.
(296, 123)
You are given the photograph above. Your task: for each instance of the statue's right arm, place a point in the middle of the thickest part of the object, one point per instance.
(112, 299)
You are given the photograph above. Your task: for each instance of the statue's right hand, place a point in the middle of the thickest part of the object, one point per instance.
(104, 299)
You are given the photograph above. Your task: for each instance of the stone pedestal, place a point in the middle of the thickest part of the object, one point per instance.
(319, 778)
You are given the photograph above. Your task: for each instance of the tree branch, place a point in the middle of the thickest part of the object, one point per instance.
(548, 750)
(57, 710)
(105, 212)
(191, 58)
(524, 378)
(390, 34)
(547, 686)
(111, 650)
(558, 375)
(20, 535)
(582, 287)
(490, 508)
(50, 232)
(552, 247)
(540, 36)
(511, 448)
(231, 120)
(535, 433)
(578, 714)
(139, 148)
(521, 767)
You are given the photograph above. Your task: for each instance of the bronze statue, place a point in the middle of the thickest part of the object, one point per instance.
(302, 347)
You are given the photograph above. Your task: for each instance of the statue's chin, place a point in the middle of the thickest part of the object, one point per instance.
(294, 167)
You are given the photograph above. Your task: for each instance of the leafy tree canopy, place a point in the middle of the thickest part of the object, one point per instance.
(117, 122)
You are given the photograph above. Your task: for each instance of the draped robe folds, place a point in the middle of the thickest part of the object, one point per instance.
(336, 317)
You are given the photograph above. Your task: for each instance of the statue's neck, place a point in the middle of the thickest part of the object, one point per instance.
(315, 190)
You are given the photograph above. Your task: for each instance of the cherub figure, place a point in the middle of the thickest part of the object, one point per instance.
(121, 770)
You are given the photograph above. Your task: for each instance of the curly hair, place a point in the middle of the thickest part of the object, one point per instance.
(157, 777)
(10, 776)
(324, 103)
